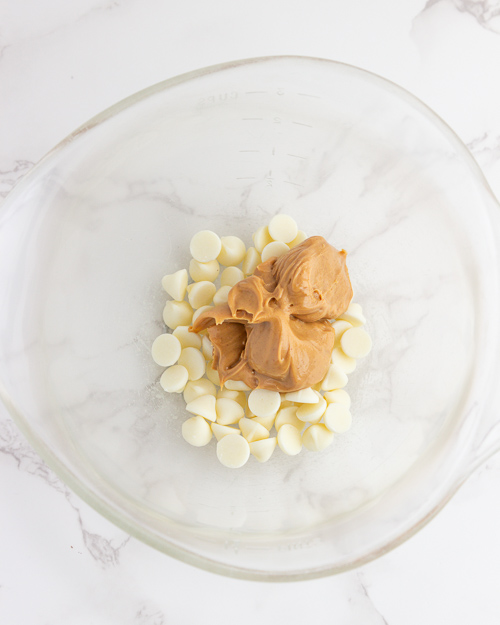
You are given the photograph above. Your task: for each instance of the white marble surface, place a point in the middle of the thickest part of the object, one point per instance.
(62, 62)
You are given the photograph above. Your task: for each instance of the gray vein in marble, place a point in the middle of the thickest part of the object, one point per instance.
(396, 220)
(485, 12)
(146, 616)
(66, 22)
(485, 148)
(140, 189)
(101, 549)
(10, 177)
(3, 49)
(106, 552)
(11, 444)
(368, 601)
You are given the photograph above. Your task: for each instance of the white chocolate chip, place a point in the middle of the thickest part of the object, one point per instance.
(338, 418)
(261, 238)
(262, 450)
(221, 295)
(267, 422)
(340, 326)
(252, 259)
(238, 396)
(283, 228)
(305, 396)
(166, 350)
(212, 374)
(187, 338)
(197, 388)
(233, 451)
(232, 252)
(193, 360)
(175, 284)
(344, 362)
(236, 385)
(335, 378)
(339, 396)
(204, 271)
(300, 238)
(220, 431)
(231, 276)
(228, 411)
(312, 413)
(203, 406)
(205, 246)
(288, 415)
(354, 315)
(198, 312)
(289, 439)
(196, 431)
(252, 430)
(177, 314)
(264, 403)
(207, 348)
(356, 343)
(201, 294)
(317, 437)
(274, 249)
(174, 379)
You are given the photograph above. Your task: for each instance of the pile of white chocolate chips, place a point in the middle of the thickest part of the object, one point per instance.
(248, 422)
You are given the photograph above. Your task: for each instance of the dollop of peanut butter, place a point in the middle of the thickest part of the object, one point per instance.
(274, 332)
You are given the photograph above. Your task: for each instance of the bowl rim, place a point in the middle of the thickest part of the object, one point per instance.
(105, 507)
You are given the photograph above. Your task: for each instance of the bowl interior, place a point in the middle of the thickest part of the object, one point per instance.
(93, 230)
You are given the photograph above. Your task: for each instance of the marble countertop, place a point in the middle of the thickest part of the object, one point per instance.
(61, 63)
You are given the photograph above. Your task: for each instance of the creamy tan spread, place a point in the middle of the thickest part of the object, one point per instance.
(274, 332)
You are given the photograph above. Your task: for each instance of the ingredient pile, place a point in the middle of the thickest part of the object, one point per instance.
(262, 358)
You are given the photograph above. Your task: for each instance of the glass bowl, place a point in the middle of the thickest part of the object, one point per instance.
(87, 236)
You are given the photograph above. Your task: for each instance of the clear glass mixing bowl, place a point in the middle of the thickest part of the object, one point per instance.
(88, 234)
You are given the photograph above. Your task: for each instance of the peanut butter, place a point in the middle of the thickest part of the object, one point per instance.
(274, 333)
